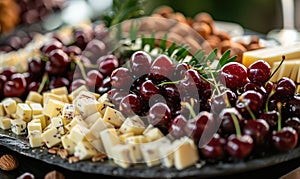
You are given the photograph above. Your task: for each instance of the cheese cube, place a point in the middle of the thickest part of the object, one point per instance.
(18, 126)
(123, 155)
(84, 150)
(2, 111)
(153, 134)
(60, 91)
(75, 93)
(90, 120)
(58, 123)
(76, 120)
(34, 97)
(51, 137)
(98, 145)
(10, 106)
(123, 137)
(34, 125)
(110, 139)
(136, 141)
(36, 108)
(298, 88)
(5, 123)
(47, 96)
(133, 124)
(43, 119)
(53, 108)
(78, 133)
(186, 153)
(24, 111)
(64, 98)
(99, 126)
(69, 111)
(86, 106)
(68, 144)
(113, 116)
(35, 138)
(166, 155)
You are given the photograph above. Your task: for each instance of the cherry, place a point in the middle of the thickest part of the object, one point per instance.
(121, 78)
(3, 79)
(292, 108)
(293, 122)
(193, 77)
(55, 44)
(76, 83)
(171, 92)
(35, 66)
(215, 148)
(94, 49)
(105, 87)
(259, 72)
(107, 64)
(116, 96)
(82, 37)
(285, 89)
(239, 147)
(148, 89)
(94, 79)
(249, 99)
(271, 117)
(33, 86)
(180, 70)
(131, 105)
(225, 99)
(177, 126)
(253, 86)
(73, 50)
(16, 87)
(258, 130)
(160, 116)
(162, 66)
(140, 64)
(54, 70)
(59, 58)
(233, 75)
(227, 124)
(59, 82)
(269, 86)
(8, 72)
(284, 140)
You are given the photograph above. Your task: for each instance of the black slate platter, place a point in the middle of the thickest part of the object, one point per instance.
(20, 144)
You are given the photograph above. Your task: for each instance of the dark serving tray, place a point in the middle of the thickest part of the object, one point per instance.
(20, 145)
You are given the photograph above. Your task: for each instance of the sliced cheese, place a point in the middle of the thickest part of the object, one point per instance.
(153, 134)
(43, 119)
(69, 111)
(34, 125)
(99, 126)
(36, 108)
(90, 120)
(78, 133)
(75, 93)
(53, 108)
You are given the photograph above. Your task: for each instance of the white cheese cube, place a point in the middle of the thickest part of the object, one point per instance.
(123, 137)
(47, 96)
(186, 153)
(53, 108)
(153, 134)
(69, 111)
(35, 139)
(51, 137)
(34, 125)
(60, 91)
(43, 119)
(75, 93)
(58, 123)
(5, 123)
(68, 144)
(78, 133)
(36, 108)
(166, 154)
(136, 141)
(86, 106)
(2, 111)
(76, 120)
(113, 116)
(99, 126)
(133, 124)
(34, 96)
(110, 139)
(90, 120)
(123, 155)
(98, 145)
(18, 126)
(10, 106)
(24, 112)
(84, 150)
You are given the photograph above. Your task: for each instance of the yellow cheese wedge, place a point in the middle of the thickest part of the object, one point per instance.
(272, 55)
(288, 69)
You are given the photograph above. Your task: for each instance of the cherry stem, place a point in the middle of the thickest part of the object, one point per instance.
(236, 125)
(277, 68)
(279, 106)
(268, 99)
(81, 68)
(168, 83)
(250, 112)
(190, 108)
(213, 77)
(43, 83)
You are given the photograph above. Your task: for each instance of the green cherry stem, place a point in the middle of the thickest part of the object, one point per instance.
(168, 83)
(268, 99)
(43, 83)
(190, 108)
(213, 77)
(81, 67)
(250, 112)
(279, 106)
(236, 125)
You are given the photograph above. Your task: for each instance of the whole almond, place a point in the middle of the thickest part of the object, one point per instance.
(54, 175)
(63, 153)
(8, 162)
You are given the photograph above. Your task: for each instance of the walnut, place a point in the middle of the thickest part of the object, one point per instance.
(8, 162)
(54, 175)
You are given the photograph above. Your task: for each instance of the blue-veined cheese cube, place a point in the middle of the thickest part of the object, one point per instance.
(84, 150)
(69, 111)
(36, 108)
(58, 123)
(34, 96)
(109, 139)
(2, 111)
(24, 112)
(68, 144)
(113, 117)
(137, 141)
(35, 138)
(123, 155)
(34, 125)
(76, 120)
(51, 137)
(5, 123)
(10, 106)
(86, 106)
(18, 126)
(53, 108)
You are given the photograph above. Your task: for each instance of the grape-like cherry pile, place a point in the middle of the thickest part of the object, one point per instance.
(242, 112)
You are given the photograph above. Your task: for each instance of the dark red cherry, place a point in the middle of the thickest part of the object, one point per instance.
(131, 105)
(180, 70)
(116, 96)
(259, 72)
(94, 79)
(251, 99)
(140, 64)
(121, 78)
(160, 115)
(285, 89)
(59, 58)
(285, 140)
(271, 117)
(258, 129)
(223, 100)
(107, 64)
(35, 66)
(177, 127)
(76, 84)
(293, 122)
(59, 82)
(233, 75)
(148, 89)
(162, 66)
(227, 124)
(215, 149)
(239, 147)
(55, 44)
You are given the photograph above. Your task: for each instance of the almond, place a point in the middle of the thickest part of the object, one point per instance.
(98, 157)
(63, 153)
(54, 175)
(8, 162)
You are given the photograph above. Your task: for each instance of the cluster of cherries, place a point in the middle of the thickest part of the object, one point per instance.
(84, 61)
(236, 113)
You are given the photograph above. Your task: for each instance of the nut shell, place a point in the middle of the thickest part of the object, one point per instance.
(8, 162)
(54, 175)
